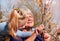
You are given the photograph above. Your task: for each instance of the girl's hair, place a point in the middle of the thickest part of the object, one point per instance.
(13, 22)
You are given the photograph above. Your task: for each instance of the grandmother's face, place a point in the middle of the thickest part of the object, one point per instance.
(30, 20)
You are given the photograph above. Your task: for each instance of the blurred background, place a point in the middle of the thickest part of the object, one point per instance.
(44, 11)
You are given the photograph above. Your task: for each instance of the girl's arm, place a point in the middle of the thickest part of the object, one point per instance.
(23, 34)
(2, 26)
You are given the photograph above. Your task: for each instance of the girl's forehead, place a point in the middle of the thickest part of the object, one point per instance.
(17, 14)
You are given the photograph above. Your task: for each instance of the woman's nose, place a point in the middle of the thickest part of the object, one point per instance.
(29, 19)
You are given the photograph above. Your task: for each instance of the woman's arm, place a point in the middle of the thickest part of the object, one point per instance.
(38, 31)
(32, 37)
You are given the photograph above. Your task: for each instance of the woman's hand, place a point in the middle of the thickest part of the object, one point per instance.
(46, 36)
(37, 32)
(40, 28)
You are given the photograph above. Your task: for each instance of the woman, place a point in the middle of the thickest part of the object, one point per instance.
(17, 18)
(29, 26)
(36, 35)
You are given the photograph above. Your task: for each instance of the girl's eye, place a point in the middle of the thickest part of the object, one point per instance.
(17, 11)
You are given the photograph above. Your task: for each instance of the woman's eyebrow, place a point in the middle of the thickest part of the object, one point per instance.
(30, 16)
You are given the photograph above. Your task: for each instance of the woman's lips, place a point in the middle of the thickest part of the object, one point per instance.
(29, 22)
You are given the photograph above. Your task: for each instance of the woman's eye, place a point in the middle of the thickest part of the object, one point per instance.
(30, 16)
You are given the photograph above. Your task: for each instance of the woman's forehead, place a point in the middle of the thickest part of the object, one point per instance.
(29, 15)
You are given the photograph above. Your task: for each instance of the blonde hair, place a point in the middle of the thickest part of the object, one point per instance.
(26, 10)
(13, 22)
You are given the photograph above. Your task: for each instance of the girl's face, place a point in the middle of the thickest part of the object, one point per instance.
(21, 21)
(30, 20)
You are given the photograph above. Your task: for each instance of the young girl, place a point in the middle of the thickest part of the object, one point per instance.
(17, 18)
